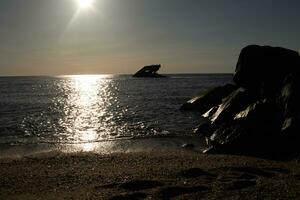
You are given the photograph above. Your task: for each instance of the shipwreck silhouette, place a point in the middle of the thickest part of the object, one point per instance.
(149, 71)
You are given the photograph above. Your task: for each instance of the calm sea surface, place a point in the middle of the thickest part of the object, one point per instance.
(97, 112)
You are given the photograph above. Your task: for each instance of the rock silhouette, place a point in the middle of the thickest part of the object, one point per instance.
(211, 98)
(262, 69)
(149, 72)
(260, 115)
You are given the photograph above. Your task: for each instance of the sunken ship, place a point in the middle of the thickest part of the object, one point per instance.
(149, 71)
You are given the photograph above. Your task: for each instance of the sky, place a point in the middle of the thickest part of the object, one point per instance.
(57, 37)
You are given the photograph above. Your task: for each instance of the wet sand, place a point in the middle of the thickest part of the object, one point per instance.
(152, 175)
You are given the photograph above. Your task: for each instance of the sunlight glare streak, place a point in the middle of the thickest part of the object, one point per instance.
(84, 105)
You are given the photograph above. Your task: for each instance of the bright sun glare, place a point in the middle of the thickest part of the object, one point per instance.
(85, 4)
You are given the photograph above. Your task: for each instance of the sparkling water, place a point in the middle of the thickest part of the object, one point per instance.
(85, 112)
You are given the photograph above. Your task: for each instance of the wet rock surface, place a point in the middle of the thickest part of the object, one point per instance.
(261, 115)
(210, 99)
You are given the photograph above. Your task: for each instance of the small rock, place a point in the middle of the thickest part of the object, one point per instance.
(188, 146)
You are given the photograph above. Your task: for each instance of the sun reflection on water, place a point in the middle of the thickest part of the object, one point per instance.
(85, 107)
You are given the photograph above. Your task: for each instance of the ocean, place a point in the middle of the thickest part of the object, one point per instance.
(99, 113)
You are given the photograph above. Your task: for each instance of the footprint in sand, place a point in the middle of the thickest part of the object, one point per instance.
(133, 196)
(236, 178)
(195, 173)
(170, 192)
(140, 185)
(135, 185)
(228, 177)
(131, 186)
(277, 170)
(106, 186)
(240, 184)
(248, 170)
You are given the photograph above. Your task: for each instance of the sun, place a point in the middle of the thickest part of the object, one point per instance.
(85, 4)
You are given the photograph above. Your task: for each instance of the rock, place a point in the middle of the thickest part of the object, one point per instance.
(149, 72)
(289, 102)
(231, 105)
(253, 131)
(188, 146)
(261, 69)
(211, 98)
(261, 115)
(262, 111)
(206, 128)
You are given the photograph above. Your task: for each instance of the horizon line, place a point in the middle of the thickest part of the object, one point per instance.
(66, 75)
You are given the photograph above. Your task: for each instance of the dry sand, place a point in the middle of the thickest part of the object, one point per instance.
(155, 175)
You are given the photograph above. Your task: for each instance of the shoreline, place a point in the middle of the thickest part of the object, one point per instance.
(178, 174)
(166, 143)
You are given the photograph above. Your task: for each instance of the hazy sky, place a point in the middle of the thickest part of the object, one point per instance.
(50, 37)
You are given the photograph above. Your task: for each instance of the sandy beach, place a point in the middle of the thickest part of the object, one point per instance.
(147, 175)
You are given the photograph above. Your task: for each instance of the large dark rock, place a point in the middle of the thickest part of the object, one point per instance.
(262, 116)
(209, 99)
(250, 132)
(261, 69)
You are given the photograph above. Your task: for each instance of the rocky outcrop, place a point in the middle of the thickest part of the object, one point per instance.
(261, 115)
(262, 69)
(235, 102)
(149, 72)
(209, 99)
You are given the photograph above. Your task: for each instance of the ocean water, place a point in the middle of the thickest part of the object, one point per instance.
(101, 113)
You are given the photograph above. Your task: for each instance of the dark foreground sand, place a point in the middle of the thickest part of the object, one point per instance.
(155, 175)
